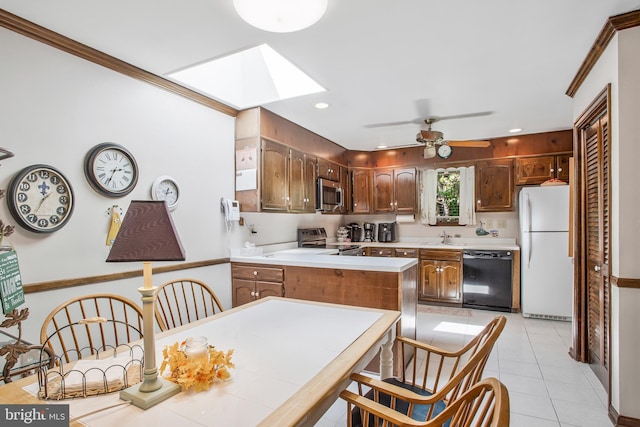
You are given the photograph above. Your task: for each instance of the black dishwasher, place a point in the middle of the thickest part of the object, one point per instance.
(486, 279)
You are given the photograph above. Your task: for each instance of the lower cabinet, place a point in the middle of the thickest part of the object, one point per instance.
(440, 276)
(251, 282)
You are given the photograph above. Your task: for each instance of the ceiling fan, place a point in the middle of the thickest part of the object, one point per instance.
(432, 138)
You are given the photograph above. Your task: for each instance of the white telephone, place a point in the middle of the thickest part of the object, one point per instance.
(231, 209)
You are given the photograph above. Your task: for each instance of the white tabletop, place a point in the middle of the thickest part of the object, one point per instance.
(292, 358)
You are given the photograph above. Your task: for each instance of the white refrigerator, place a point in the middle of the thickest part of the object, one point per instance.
(546, 270)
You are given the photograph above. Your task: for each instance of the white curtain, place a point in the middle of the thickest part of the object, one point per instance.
(467, 195)
(429, 190)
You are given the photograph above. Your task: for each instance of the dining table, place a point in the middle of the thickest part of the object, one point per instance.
(292, 359)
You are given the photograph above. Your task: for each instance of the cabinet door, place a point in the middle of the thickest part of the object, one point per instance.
(297, 199)
(449, 286)
(383, 197)
(428, 287)
(534, 170)
(328, 170)
(242, 291)
(361, 191)
(405, 190)
(381, 252)
(405, 253)
(562, 167)
(268, 289)
(275, 176)
(310, 183)
(494, 186)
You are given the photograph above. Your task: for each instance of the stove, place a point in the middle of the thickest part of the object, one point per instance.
(317, 238)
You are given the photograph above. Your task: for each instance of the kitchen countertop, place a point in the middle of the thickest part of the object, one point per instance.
(290, 255)
(328, 258)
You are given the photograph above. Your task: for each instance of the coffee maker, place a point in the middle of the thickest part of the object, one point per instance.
(387, 232)
(356, 232)
(369, 232)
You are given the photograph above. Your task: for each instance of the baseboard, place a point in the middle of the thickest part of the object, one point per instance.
(621, 420)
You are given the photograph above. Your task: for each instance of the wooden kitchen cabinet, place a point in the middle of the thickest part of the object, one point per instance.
(394, 190)
(379, 252)
(328, 170)
(251, 282)
(440, 276)
(494, 185)
(361, 191)
(537, 169)
(302, 178)
(275, 176)
(405, 253)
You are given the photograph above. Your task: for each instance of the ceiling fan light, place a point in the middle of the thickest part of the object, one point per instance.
(280, 16)
(429, 152)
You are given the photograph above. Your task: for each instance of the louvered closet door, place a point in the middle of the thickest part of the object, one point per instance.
(596, 149)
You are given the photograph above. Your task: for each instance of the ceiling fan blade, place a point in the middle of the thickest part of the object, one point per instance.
(405, 122)
(475, 143)
(461, 116)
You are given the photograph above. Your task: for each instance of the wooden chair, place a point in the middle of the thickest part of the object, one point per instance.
(183, 301)
(433, 377)
(66, 332)
(486, 404)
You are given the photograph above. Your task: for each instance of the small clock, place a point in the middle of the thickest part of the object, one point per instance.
(444, 151)
(40, 199)
(111, 169)
(166, 188)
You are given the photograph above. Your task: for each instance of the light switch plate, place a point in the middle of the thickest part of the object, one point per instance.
(502, 223)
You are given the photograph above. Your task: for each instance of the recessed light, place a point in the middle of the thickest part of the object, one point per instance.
(380, 147)
(514, 130)
(321, 105)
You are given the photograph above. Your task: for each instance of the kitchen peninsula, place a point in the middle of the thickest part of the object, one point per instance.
(320, 275)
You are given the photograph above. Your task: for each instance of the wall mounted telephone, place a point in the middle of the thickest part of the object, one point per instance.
(231, 209)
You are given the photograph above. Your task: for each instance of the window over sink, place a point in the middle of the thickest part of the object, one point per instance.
(448, 196)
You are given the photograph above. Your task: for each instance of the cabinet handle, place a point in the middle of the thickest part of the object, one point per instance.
(257, 294)
(551, 170)
(559, 169)
(255, 273)
(596, 268)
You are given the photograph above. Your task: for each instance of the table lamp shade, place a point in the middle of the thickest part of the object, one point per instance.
(147, 233)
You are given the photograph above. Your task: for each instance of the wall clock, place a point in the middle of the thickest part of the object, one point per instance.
(40, 199)
(111, 169)
(444, 151)
(166, 188)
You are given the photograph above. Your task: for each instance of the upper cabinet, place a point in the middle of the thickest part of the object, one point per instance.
(275, 176)
(328, 170)
(494, 185)
(360, 191)
(538, 169)
(394, 190)
(302, 178)
(276, 163)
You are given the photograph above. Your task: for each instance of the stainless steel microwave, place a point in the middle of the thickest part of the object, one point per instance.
(328, 195)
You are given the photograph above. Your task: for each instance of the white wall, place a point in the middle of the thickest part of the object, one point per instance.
(620, 66)
(54, 107)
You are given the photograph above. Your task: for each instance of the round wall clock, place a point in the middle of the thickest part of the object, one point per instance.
(111, 170)
(444, 151)
(166, 188)
(40, 199)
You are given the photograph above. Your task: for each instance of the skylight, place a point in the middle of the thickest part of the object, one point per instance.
(249, 78)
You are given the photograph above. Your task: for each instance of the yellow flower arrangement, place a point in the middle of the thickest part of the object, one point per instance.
(196, 372)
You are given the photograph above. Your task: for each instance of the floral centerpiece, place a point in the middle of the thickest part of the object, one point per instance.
(196, 372)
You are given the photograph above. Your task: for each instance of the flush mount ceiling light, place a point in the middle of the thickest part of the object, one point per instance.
(280, 16)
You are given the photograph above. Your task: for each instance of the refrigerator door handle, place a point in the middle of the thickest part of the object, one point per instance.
(530, 249)
(528, 213)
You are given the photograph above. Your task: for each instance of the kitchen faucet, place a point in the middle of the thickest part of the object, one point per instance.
(444, 236)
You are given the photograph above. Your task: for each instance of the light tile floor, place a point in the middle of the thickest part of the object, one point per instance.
(546, 387)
